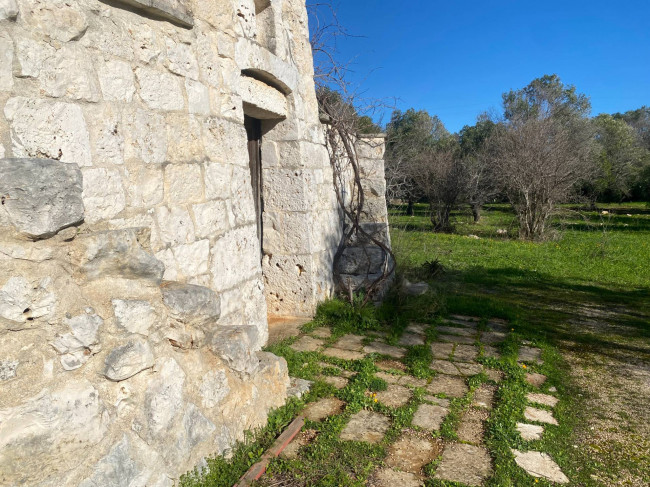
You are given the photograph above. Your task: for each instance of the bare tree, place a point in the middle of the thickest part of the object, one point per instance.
(539, 161)
(440, 175)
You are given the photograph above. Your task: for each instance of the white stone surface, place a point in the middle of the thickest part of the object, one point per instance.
(540, 465)
(217, 180)
(30, 56)
(235, 258)
(8, 9)
(539, 416)
(48, 129)
(530, 432)
(261, 100)
(18, 295)
(214, 388)
(192, 259)
(78, 345)
(103, 194)
(145, 137)
(69, 73)
(211, 219)
(158, 90)
(184, 183)
(198, 97)
(175, 225)
(6, 60)
(181, 59)
(135, 316)
(116, 80)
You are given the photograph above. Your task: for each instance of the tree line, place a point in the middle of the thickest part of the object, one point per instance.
(542, 150)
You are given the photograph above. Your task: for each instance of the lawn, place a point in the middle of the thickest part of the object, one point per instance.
(582, 298)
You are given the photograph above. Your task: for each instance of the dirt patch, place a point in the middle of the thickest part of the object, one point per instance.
(412, 451)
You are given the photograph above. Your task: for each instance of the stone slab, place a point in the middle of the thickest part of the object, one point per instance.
(494, 375)
(530, 432)
(484, 397)
(543, 399)
(469, 369)
(442, 350)
(343, 354)
(445, 367)
(493, 337)
(336, 382)
(536, 380)
(539, 416)
(465, 353)
(530, 354)
(540, 465)
(418, 328)
(491, 352)
(411, 339)
(413, 451)
(322, 332)
(307, 344)
(319, 410)
(407, 380)
(453, 330)
(472, 426)
(390, 365)
(457, 339)
(366, 426)
(395, 396)
(450, 386)
(445, 403)
(384, 349)
(350, 342)
(429, 417)
(387, 477)
(390, 378)
(468, 464)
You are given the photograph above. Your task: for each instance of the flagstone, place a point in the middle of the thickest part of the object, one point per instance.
(543, 399)
(530, 432)
(539, 416)
(418, 328)
(366, 426)
(407, 380)
(494, 375)
(536, 380)
(540, 465)
(350, 342)
(493, 337)
(307, 344)
(469, 369)
(384, 349)
(467, 464)
(390, 365)
(343, 354)
(322, 332)
(387, 477)
(429, 417)
(442, 350)
(484, 396)
(491, 352)
(450, 386)
(453, 330)
(411, 339)
(445, 367)
(457, 339)
(390, 378)
(530, 354)
(395, 396)
(412, 451)
(465, 353)
(438, 401)
(319, 410)
(337, 382)
(472, 426)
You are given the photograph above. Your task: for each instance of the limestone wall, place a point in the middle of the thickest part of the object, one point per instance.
(134, 304)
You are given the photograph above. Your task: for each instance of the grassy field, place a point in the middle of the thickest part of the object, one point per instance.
(583, 297)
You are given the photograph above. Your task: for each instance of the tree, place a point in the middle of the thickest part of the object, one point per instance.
(481, 184)
(620, 158)
(410, 135)
(639, 120)
(542, 150)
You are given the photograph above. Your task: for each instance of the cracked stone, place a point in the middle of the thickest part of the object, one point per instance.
(450, 386)
(465, 353)
(444, 367)
(411, 452)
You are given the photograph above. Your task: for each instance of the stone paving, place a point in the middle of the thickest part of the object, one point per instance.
(458, 352)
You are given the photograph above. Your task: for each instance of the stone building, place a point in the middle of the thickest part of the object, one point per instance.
(165, 187)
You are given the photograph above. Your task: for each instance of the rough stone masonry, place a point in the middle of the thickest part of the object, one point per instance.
(134, 283)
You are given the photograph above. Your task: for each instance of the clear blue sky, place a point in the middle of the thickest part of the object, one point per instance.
(455, 58)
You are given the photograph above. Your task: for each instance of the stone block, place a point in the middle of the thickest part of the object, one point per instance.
(366, 426)
(175, 225)
(116, 80)
(198, 97)
(194, 305)
(214, 388)
(211, 219)
(387, 477)
(146, 137)
(307, 344)
(235, 258)
(81, 343)
(450, 386)
(261, 100)
(395, 396)
(40, 197)
(429, 417)
(361, 260)
(103, 194)
(410, 453)
(6, 55)
(530, 432)
(184, 142)
(73, 417)
(135, 316)
(181, 59)
(8, 10)
(236, 346)
(217, 180)
(184, 183)
(539, 416)
(466, 464)
(160, 91)
(70, 73)
(146, 186)
(318, 411)
(128, 360)
(384, 349)
(119, 253)
(543, 399)
(540, 465)
(225, 141)
(45, 129)
(57, 19)
(22, 302)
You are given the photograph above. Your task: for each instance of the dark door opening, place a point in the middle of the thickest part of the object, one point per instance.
(254, 132)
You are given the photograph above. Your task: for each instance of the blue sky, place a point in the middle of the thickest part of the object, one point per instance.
(455, 58)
